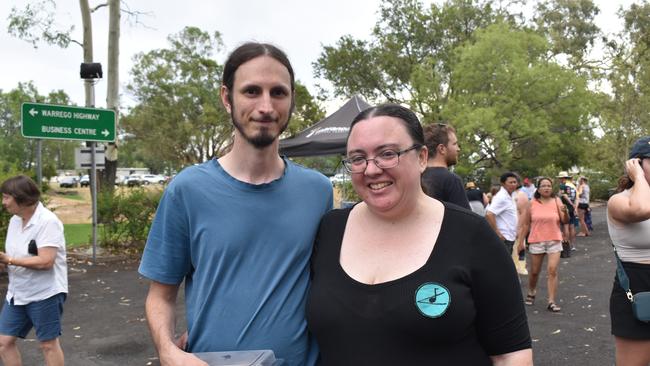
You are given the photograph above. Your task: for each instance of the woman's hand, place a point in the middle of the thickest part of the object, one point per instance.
(634, 169)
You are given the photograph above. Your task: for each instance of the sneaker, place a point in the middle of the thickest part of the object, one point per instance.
(573, 249)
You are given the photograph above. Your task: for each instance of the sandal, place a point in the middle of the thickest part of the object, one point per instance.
(552, 307)
(530, 300)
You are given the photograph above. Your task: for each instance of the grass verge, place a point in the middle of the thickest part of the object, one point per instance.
(77, 235)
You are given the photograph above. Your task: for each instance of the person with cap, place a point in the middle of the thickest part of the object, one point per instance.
(529, 188)
(437, 180)
(628, 221)
(477, 199)
(569, 196)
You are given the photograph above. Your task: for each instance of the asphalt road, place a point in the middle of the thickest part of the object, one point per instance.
(104, 322)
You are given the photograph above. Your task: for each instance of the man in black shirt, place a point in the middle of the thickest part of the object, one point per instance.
(437, 180)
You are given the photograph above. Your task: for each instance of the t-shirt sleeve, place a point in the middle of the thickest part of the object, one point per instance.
(498, 205)
(51, 234)
(166, 258)
(457, 193)
(501, 322)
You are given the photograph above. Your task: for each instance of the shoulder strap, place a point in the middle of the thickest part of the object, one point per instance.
(623, 280)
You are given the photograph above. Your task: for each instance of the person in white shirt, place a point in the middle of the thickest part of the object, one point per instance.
(35, 258)
(502, 212)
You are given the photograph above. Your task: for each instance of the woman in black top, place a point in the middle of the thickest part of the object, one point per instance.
(403, 279)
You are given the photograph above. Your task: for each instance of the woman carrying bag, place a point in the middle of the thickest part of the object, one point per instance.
(545, 238)
(628, 221)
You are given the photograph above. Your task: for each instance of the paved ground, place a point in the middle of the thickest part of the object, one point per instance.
(104, 321)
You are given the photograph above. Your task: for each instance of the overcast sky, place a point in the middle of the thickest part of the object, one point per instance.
(300, 27)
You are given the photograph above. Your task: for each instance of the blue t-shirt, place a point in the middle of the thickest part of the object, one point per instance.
(243, 251)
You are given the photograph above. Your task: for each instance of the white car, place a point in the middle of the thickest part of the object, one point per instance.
(153, 179)
(68, 182)
(85, 181)
(338, 178)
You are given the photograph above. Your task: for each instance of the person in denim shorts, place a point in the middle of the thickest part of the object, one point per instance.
(545, 239)
(35, 258)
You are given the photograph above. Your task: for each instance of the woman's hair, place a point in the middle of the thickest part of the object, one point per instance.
(539, 183)
(494, 190)
(23, 189)
(405, 115)
(624, 182)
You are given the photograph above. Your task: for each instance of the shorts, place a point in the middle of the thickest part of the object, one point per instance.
(574, 221)
(543, 247)
(624, 324)
(583, 206)
(44, 316)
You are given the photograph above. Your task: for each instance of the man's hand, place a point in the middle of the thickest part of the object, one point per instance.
(175, 357)
(181, 342)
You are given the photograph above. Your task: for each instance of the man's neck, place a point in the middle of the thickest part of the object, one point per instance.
(437, 162)
(252, 165)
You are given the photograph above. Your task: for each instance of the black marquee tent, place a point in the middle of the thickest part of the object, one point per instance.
(327, 136)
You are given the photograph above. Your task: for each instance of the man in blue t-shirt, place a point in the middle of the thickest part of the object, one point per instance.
(239, 230)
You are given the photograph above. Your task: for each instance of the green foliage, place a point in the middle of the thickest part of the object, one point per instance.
(569, 26)
(625, 115)
(410, 57)
(126, 218)
(19, 153)
(179, 109)
(348, 194)
(327, 165)
(306, 111)
(37, 22)
(514, 105)
(515, 110)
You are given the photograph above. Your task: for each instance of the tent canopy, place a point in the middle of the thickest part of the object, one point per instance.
(327, 136)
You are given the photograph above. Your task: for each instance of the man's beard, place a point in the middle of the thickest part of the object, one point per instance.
(451, 161)
(263, 138)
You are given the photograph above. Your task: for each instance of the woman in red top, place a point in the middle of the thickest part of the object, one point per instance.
(546, 212)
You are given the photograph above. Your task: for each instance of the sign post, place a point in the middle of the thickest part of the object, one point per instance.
(51, 121)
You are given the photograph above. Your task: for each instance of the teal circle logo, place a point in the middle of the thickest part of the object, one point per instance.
(432, 299)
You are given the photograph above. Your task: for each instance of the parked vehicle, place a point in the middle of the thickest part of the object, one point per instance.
(68, 182)
(133, 180)
(153, 179)
(120, 180)
(337, 178)
(84, 181)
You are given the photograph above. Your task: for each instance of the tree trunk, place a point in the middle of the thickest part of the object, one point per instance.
(112, 94)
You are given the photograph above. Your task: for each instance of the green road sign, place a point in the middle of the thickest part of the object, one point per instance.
(49, 121)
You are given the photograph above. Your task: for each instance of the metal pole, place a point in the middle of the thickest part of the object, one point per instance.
(39, 163)
(93, 194)
(90, 102)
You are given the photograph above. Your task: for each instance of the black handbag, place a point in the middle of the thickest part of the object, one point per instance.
(640, 301)
(566, 249)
